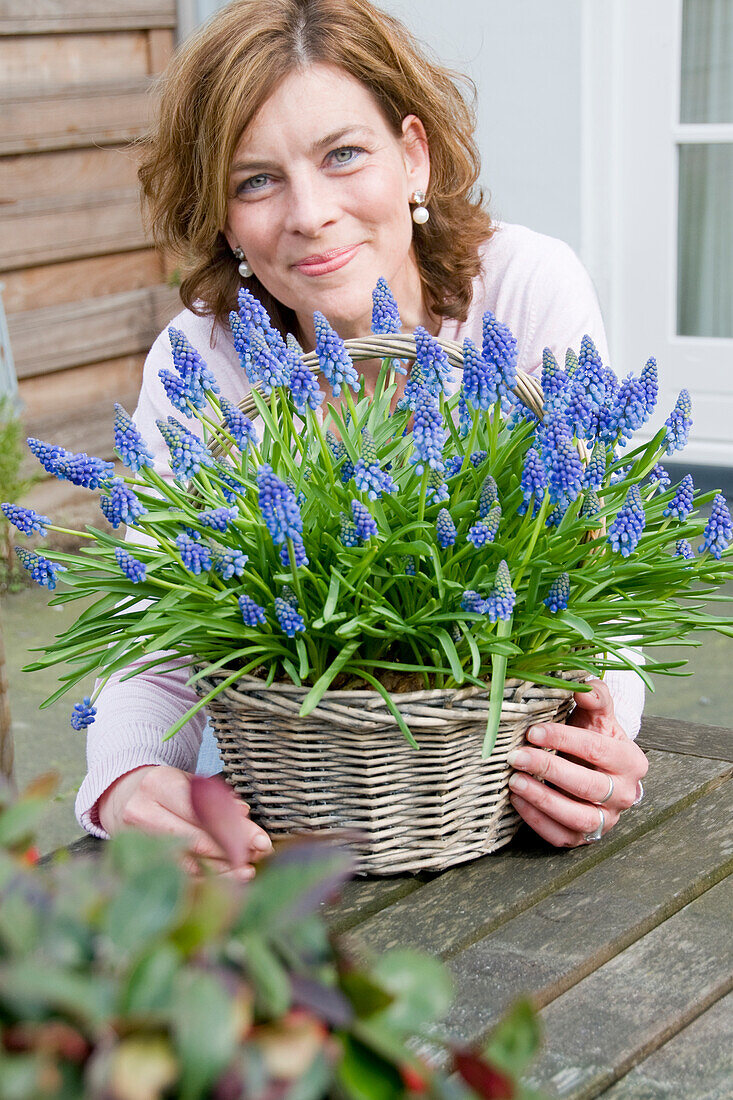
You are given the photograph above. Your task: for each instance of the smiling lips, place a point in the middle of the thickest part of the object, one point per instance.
(326, 261)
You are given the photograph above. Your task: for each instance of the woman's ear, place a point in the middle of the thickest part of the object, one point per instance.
(416, 153)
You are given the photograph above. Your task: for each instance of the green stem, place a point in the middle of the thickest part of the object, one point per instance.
(423, 494)
(496, 696)
(539, 524)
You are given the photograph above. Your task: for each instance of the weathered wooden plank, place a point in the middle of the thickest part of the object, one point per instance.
(26, 62)
(630, 1007)
(687, 738)
(698, 1062)
(577, 929)
(61, 393)
(58, 179)
(74, 117)
(92, 226)
(73, 16)
(89, 428)
(160, 49)
(54, 284)
(465, 904)
(58, 337)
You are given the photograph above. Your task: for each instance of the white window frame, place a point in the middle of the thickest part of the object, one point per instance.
(631, 130)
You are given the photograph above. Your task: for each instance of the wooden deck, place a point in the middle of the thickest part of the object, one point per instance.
(625, 945)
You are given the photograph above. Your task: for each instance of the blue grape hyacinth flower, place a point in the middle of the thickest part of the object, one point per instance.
(473, 602)
(428, 433)
(218, 519)
(239, 426)
(719, 528)
(129, 444)
(188, 454)
(195, 555)
(303, 384)
(385, 312)
(289, 617)
(534, 482)
(480, 379)
(122, 505)
(681, 503)
(348, 533)
(26, 520)
(502, 598)
(42, 570)
(48, 454)
(432, 362)
(334, 359)
(562, 464)
(682, 549)
(488, 496)
(279, 507)
(445, 529)
(133, 569)
(195, 374)
(627, 528)
(252, 613)
(228, 563)
(678, 424)
(83, 714)
(366, 525)
(301, 558)
(557, 598)
(369, 478)
(499, 349)
(272, 369)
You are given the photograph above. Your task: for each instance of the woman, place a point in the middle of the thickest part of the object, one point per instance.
(296, 143)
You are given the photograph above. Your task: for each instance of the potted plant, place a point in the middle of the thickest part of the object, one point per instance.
(377, 603)
(124, 978)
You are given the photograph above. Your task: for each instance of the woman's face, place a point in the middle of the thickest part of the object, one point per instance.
(318, 200)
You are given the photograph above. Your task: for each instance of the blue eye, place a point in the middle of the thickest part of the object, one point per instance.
(346, 149)
(251, 183)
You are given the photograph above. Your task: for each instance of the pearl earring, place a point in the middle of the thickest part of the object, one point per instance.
(421, 213)
(245, 269)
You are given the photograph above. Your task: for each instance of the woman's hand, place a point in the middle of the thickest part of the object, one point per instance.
(592, 748)
(157, 799)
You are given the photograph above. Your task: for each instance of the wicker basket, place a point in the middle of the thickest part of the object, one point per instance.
(347, 766)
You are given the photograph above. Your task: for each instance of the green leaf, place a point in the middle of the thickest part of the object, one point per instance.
(366, 996)
(204, 1031)
(316, 693)
(580, 625)
(31, 986)
(515, 1040)
(146, 906)
(364, 1075)
(449, 649)
(421, 986)
(268, 975)
(149, 986)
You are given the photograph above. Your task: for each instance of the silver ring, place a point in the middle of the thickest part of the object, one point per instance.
(590, 837)
(640, 794)
(600, 801)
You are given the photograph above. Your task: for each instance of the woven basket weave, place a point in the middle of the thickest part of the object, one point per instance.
(347, 766)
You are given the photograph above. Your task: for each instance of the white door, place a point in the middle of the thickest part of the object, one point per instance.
(658, 190)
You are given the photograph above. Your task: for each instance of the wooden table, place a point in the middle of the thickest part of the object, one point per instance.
(625, 946)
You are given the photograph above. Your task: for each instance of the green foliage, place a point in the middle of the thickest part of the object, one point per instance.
(12, 487)
(122, 978)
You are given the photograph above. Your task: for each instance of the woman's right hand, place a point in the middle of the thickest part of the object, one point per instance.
(157, 799)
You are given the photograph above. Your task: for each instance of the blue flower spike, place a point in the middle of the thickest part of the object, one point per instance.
(366, 525)
(129, 444)
(334, 359)
(473, 602)
(719, 528)
(133, 569)
(289, 617)
(122, 505)
(499, 350)
(557, 598)
(279, 507)
(82, 716)
(195, 555)
(682, 549)
(25, 520)
(678, 424)
(42, 570)
(239, 426)
(188, 453)
(681, 503)
(501, 600)
(480, 379)
(627, 528)
(445, 529)
(252, 613)
(385, 312)
(369, 478)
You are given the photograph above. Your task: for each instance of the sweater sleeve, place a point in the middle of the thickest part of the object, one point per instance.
(134, 714)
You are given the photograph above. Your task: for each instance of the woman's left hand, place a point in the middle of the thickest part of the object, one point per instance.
(592, 749)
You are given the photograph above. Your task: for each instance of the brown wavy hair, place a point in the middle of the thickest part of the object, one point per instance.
(217, 82)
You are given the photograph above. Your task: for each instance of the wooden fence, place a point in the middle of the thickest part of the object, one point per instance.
(85, 292)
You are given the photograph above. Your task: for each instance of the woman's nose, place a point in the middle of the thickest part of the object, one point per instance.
(311, 205)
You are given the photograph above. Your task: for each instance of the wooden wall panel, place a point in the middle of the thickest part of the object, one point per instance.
(62, 393)
(54, 284)
(66, 16)
(60, 337)
(27, 62)
(70, 117)
(85, 292)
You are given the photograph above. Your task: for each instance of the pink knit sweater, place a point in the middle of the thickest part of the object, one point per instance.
(535, 284)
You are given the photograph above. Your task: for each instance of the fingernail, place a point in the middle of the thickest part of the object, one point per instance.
(517, 802)
(262, 843)
(518, 783)
(518, 758)
(537, 735)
